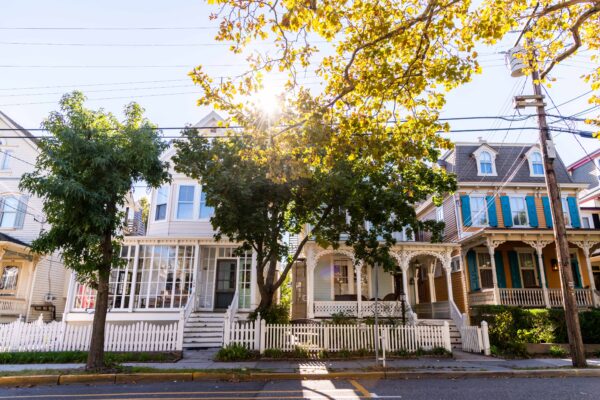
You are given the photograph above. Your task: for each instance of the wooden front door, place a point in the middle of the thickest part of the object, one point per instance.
(299, 291)
(225, 283)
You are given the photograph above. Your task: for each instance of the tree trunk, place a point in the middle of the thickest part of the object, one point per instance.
(95, 360)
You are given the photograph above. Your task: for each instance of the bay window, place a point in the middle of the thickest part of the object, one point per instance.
(185, 202)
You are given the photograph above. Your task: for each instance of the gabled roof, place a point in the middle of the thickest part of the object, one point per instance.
(583, 160)
(17, 127)
(508, 157)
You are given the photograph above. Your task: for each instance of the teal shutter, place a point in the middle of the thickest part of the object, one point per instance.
(574, 212)
(547, 212)
(465, 205)
(576, 273)
(500, 276)
(473, 274)
(531, 211)
(513, 261)
(491, 207)
(506, 214)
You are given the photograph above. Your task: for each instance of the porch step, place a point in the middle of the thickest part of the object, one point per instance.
(203, 330)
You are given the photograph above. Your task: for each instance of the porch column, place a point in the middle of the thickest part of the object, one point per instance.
(358, 268)
(431, 280)
(136, 262)
(416, 282)
(586, 246)
(448, 270)
(404, 268)
(311, 263)
(195, 287)
(491, 246)
(539, 245)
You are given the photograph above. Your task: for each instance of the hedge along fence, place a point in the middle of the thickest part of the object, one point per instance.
(59, 336)
(258, 335)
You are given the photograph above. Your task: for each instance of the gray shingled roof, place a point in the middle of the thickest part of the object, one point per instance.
(464, 164)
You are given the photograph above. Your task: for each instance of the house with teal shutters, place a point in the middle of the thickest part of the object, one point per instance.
(501, 217)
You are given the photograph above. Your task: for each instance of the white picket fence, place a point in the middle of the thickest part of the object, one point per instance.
(475, 339)
(260, 336)
(61, 336)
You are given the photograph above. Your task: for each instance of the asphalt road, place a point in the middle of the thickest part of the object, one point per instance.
(430, 389)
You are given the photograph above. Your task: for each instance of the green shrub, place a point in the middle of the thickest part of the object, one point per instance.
(274, 353)
(557, 351)
(342, 318)
(439, 351)
(298, 352)
(277, 314)
(78, 357)
(234, 352)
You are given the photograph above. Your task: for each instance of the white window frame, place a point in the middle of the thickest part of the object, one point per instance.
(347, 263)
(485, 210)
(14, 210)
(493, 153)
(11, 292)
(535, 270)
(199, 206)
(530, 156)
(586, 222)
(166, 203)
(479, 267)
(5, 160)
(455, 264)
(566, 212)
(193, 202)
(513, 211)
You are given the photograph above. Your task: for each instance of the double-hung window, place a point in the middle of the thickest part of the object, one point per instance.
(162, 195)
(484, 264)
(5, 159)
(8, 279)
(537, 167)
(518, 210)
(10, 207)
(185, 202)
(341, 277)
(485, 163)
(205, 211)
(566, 213)
(479, 215)
(528, 273)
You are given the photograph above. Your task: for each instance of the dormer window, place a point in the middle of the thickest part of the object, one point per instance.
(486, 160)
(536, 165)
(485, 163)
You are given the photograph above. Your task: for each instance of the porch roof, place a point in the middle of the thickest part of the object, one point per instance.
(173, 240)
(7, 238)
(499, 235)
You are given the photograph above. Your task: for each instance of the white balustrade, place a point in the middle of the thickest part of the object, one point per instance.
(482, 297)
(61, 336)
(522, 297)
(13, 306)
(584, 297)
(327, 308)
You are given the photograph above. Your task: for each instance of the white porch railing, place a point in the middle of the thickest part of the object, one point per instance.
(13, 306)
(482, 297)
(229, 316)
(313, 338)
(61, 336)
(327, 308)
(534, 297)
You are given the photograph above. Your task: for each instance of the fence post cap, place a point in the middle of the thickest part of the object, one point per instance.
(483, 323)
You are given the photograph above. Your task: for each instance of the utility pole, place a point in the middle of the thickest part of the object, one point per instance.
(560, 232)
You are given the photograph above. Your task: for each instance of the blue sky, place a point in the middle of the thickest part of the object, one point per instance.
(156, 74)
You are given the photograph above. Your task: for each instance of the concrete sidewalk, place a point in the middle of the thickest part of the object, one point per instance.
(203, 360)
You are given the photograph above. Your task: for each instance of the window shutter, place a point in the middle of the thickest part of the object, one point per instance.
(576, 272)
(492, 215)
(531, 211)
(547, 212)
(574, 212)
(465, 205)
(473, 275)
(506, 214)
(500, 275)
(513, 261)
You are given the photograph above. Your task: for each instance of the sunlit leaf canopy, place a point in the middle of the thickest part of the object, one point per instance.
(380, 61)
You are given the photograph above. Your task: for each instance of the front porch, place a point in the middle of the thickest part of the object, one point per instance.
(17, 274)
(520, 268)
(426, 284)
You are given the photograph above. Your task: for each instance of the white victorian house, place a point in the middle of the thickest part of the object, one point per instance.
(177, 271)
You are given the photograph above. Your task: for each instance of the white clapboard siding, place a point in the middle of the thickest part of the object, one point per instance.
(60, 336)
(285, 337)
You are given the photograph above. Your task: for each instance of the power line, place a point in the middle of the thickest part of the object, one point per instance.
(115, 28)
(568, 101)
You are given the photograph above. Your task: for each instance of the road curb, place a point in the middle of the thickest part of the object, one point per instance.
(265, 376)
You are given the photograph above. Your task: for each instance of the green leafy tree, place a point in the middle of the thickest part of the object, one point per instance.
(257, 203)
(84, 170)
(145, 205)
